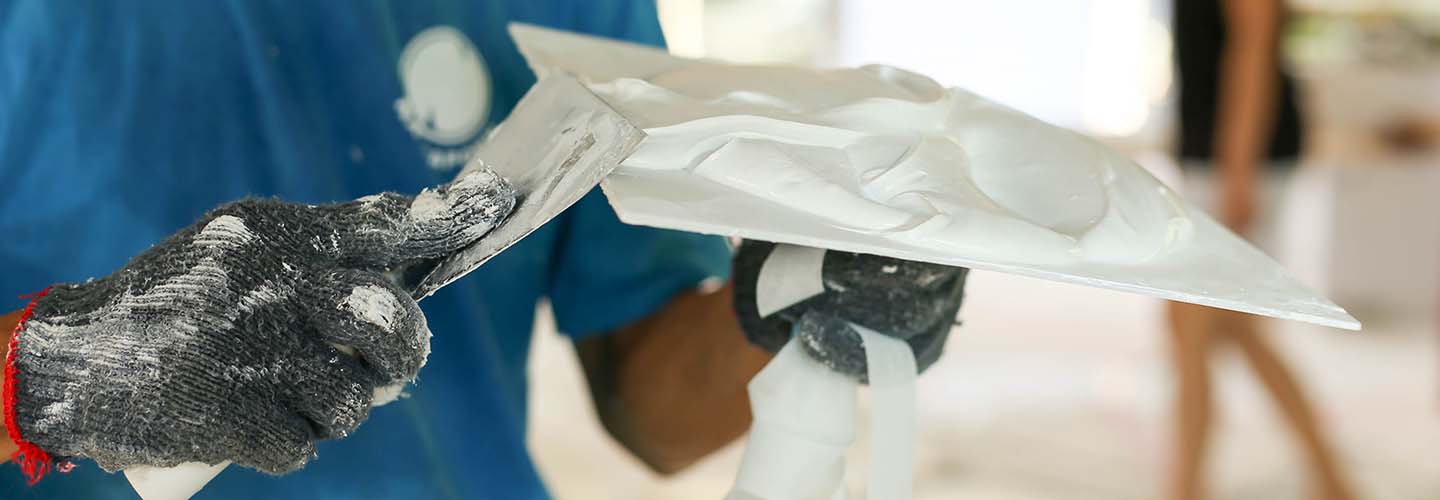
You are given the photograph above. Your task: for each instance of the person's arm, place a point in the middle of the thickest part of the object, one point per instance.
(671, 387)
(7, 327)
(1246, 114)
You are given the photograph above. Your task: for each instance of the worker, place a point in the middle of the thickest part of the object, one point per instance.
(1237, 114)
(192, 188)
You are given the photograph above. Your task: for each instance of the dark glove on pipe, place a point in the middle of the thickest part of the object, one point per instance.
(914, 301)
(249, 336)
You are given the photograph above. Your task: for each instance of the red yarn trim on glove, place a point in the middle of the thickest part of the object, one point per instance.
(33, 461)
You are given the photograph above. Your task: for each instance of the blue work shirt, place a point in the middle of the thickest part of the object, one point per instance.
(122, 122)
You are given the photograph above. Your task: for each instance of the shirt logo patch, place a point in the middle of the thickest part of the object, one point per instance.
(447, 95)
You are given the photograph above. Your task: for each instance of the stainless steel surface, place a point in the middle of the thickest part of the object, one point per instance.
(557, 145)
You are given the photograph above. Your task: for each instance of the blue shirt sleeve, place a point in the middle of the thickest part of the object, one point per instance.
(608, 273)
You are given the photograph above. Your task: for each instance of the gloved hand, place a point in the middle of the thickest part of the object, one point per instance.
(914, 301)
(249, 336)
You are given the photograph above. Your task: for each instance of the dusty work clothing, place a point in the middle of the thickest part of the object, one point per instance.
(123, 122)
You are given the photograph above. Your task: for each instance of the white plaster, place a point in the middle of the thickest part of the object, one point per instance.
(225, 231)
(375, 305)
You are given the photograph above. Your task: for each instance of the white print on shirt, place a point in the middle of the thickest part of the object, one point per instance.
(447, 94)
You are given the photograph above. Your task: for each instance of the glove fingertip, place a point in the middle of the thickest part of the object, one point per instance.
(452, 216)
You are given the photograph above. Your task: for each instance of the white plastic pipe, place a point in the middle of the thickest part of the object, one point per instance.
(892, 371)
(804, 420)
(172, 483)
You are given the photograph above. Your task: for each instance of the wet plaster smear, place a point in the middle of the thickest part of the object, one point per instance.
(884, 151)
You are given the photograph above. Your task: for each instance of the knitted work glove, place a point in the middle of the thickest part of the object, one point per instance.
(914, 301)
(249, 336)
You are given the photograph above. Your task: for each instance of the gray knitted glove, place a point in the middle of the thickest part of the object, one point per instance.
(914, 301)
(261, 329)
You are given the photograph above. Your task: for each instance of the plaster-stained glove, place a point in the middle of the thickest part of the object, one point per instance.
(914, 301)
(249, 336)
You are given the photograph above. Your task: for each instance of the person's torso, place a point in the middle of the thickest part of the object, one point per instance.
(121, 122)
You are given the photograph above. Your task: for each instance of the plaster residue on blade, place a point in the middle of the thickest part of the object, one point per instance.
(534, 208)
(556, 146)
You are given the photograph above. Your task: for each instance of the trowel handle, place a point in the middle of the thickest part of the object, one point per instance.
(172, 483)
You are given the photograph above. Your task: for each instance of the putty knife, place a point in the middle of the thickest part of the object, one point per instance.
(555, 147)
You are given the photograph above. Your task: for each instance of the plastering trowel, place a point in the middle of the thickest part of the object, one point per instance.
(556, 145)
(883, 161)
(963, 181)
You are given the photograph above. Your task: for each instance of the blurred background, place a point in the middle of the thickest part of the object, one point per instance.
(1053, 391)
